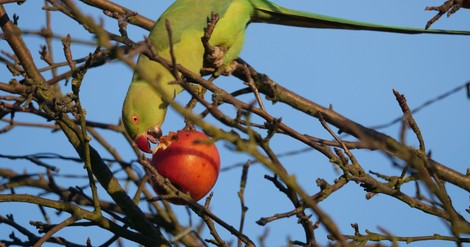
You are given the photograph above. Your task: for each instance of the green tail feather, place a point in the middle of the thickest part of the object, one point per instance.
(271, 13)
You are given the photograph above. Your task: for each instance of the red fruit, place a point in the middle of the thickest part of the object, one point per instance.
(189, 160)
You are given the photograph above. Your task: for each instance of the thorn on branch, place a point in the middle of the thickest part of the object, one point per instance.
(66, 42)
(356, 229)
(122, 20)
(15, 19)
(409, 118)
(277, 183)
(322, 183)
(43, 53)
(41, 227)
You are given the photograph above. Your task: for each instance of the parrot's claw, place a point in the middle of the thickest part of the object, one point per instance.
(215, 59)
(228, 69)
(215, 62)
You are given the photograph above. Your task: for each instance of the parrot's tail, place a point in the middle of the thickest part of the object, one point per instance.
(268, 12)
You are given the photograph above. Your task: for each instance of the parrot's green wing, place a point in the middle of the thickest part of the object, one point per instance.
(268, 12)
(185, 15)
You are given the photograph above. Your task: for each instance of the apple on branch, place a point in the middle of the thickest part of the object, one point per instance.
(189, 160)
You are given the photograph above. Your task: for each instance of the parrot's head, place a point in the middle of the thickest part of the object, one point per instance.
(143, 113)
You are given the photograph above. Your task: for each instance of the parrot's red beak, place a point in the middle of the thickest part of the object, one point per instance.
(151, 135)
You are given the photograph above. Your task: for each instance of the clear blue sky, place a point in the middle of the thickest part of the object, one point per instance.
(354, 71)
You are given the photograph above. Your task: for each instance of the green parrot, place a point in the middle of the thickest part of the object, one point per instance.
(144, 110)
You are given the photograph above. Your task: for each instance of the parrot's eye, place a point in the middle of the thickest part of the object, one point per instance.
(135, 119)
